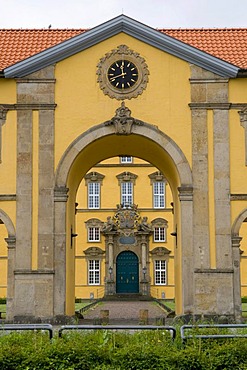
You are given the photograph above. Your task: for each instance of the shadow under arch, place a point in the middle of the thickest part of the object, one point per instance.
(236, 253)
(11, 244)
(100, 142)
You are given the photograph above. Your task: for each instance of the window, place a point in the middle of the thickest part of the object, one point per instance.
(93, 234)
(126, 193)
(159, 194)
(159, 234)
(93, 195)
(160, 272)
(93, 183)
(158, 182)
(94, 272)
(126, 181)
(126, 159)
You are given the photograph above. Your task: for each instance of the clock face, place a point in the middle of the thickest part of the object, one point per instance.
(122, 74)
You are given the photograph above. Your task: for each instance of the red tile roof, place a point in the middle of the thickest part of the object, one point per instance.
(229, 45)
(19, 44)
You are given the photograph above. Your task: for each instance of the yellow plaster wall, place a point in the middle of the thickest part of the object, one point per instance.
(7, 91)
(237, 90)
(8, 163)
(81, 104)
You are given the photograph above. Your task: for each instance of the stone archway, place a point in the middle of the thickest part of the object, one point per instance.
(123, 131)
(11, 244)
(236, 240)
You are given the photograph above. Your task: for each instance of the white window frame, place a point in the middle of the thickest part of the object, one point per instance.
(160, 272)
(127, 193)
(126, 159)
(93, 272)
(159, 234)
(93, 234)
(159, 194)
(93, 195)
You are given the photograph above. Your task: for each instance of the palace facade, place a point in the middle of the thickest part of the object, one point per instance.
(123, 153)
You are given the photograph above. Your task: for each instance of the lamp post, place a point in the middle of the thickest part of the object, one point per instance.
(144, 270)
(110, 272)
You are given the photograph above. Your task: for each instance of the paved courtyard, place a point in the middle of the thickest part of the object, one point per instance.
(126, 312)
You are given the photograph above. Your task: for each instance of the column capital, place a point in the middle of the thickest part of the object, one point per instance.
(11, 241)
(236, 239)
(60, 194)
(185, 193)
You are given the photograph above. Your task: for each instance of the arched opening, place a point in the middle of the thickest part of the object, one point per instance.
(3, 259)
(104, 229)
(99, 143)
(7, 260)
(239, 239)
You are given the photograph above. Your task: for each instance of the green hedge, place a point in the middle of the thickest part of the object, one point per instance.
(105, 350)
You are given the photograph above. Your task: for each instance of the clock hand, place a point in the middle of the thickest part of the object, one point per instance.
(113, 78)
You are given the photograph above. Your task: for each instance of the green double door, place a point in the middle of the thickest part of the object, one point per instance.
(127, 273)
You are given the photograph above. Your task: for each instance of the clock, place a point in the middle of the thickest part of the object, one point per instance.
(122, 73)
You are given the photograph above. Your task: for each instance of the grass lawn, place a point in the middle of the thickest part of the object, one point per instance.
(244, 309)
(3, 310)
(82, 304)
(170, 304)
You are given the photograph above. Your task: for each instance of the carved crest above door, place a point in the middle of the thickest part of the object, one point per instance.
(127, 220)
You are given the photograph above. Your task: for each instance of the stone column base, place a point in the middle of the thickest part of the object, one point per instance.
(33, 295)
(214, 292)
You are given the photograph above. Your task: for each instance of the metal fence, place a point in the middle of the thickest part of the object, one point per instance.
(193, 331)
(33, 327)
(186, 331)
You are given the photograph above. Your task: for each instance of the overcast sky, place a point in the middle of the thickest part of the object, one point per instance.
(155, 13)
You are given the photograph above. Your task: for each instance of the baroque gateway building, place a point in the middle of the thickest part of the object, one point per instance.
(123, 167)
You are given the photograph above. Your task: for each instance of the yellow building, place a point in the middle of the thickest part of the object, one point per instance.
(125, 181)
(123, 167)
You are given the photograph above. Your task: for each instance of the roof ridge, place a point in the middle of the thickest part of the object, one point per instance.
(204, 29)
(44, 29)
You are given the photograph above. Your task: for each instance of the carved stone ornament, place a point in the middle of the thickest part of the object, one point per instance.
(3, 113)
(243, 115)
(160, 252)
(94, 252)
(126, 222)
(124, 55)
(123, 121)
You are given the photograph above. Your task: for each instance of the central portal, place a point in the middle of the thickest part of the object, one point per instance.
(127, 252)
(127, 273)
